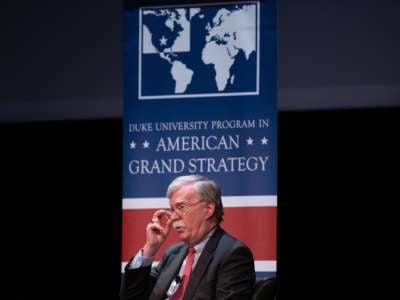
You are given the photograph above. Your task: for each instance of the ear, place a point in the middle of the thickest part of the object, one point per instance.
(210, 209)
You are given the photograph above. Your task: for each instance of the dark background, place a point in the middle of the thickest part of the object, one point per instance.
(337, 217)
(63, 59)
(61, 148)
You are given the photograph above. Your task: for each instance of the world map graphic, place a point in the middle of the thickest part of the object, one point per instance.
(199, 51)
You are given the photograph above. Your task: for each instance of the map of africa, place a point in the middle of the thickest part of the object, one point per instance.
(199, 50)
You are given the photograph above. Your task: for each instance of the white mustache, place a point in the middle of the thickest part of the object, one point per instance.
(178, 224)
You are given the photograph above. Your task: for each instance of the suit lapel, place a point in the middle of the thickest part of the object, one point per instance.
(167, 273)
(202, 263)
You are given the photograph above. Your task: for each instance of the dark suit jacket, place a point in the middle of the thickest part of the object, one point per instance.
(225, 270)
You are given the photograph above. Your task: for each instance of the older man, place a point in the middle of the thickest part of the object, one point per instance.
(208, 263)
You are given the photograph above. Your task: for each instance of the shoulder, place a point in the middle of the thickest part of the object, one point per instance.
(228, 244)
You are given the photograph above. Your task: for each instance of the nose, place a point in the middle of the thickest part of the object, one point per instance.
(174, 215)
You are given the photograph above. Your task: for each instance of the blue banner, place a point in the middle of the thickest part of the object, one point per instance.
(200, 97)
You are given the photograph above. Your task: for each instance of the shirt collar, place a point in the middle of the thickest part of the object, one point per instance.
(200, 246)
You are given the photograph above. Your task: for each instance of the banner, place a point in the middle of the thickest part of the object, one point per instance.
(200, 97)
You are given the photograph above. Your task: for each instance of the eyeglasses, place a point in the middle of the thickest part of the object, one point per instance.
(182, 208)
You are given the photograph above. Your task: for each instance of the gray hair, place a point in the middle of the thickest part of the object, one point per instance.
(206, 188)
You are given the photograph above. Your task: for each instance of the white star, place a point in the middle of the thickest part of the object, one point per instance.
(146, 145)
(163, 41)
(132, 145)
(249, 141)
(264, 141)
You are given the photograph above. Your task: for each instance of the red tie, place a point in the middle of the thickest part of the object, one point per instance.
(185, 277)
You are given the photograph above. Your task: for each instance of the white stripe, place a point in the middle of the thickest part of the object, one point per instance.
(140, 55)
(265, 265)
(142, 203)
(249, 201)
(260, 265)
(258, 47)
(228, 201)
(200, 4)
(199, 95)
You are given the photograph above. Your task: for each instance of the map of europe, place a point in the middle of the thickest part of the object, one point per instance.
(199, 51)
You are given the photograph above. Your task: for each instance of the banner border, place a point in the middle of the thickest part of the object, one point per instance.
(208, 95)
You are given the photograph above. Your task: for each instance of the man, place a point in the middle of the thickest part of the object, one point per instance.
(207, 264)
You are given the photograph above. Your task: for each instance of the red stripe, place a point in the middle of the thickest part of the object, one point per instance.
(255, 226)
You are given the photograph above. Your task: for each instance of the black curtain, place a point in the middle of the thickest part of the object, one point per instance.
(62, 191)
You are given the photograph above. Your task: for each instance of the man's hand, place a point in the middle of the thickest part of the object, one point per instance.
(157, 231)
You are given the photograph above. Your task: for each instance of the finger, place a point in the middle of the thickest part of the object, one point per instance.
(160, 216)
(168, 226)
(169, 221)
(165, 218)
(159, 213)
(156, 228)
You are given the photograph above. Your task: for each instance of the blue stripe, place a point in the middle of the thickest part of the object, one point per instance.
(260, 275)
